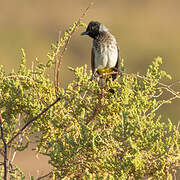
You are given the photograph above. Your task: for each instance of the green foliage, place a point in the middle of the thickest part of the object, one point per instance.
(57, 49)
(98, 134)
(15, 173)
(91, 133)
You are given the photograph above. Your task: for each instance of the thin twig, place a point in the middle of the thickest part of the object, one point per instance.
(45, 176)
(5, 148)
(68, 40)
(178, 126)
(156, 96)
(163, 86)
(172, 84)
(32, 120)
(166, 101)
(56, 62)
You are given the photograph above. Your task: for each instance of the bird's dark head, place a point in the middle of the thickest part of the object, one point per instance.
(94, 28)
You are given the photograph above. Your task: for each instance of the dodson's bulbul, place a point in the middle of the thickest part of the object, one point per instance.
(105, 52)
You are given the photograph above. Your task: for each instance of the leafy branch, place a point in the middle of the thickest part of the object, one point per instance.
(63, 43)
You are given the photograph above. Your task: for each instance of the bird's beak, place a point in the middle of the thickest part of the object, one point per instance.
(84, 33)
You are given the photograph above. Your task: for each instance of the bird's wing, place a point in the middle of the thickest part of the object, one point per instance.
(92, 60)
(118, 59)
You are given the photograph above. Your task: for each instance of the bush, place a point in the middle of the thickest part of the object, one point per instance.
(88, 132)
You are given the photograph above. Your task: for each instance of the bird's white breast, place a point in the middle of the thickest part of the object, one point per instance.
(105, 56)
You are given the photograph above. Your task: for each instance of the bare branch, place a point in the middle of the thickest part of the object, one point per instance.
(172, 84)
(56, 63)
(68, 40)
(32, 120)
(45, 176)
(161, 105)
(178, 126)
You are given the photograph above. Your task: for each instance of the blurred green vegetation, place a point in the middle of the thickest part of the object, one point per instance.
(144, 29)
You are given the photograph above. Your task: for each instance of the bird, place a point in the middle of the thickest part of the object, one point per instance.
(105, 51)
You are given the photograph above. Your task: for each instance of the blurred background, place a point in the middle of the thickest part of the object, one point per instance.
(144, 30)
